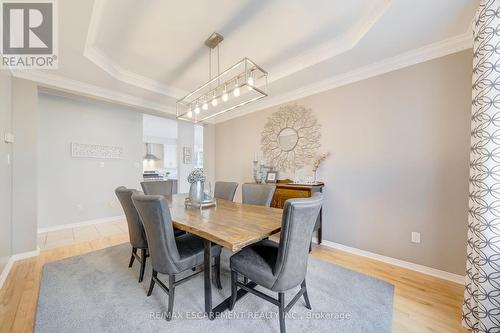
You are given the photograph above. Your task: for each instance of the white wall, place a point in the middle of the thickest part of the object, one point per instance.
(400, 160)
(185, 138)
(5, 169)
(198, 146)
(78, 189)
(209, 152)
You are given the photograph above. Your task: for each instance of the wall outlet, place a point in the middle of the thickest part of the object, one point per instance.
(415, 237)
(79, 207)
(101, 164)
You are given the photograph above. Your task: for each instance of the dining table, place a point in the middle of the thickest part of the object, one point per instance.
(232, 225)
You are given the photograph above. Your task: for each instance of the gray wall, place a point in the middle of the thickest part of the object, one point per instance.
(5, 169)
(24, 166)
(400, 152)
(74, 189)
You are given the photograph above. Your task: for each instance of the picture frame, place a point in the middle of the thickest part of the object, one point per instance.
(272, 177)
(187, 155)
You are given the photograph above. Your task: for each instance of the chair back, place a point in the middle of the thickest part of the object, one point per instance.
(225, 190)
(135, 228)
(158, 187)
(258, 194)
(299, 218)
(155, 215)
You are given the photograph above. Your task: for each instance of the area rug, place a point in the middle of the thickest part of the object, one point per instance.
(97, 292)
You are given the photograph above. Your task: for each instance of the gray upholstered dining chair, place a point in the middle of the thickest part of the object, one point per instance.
(225, 190)
(136, 232)
(258, 194)
(158, 187)
(283, 266)
(169, 254)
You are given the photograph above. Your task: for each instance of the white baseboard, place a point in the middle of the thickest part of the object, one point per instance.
(12, 260)
(396, 262)
(80, 224)
(24, 255)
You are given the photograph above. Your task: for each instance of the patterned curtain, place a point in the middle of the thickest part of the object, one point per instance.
(481, 309)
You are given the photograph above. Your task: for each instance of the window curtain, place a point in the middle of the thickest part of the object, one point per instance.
(481, 309)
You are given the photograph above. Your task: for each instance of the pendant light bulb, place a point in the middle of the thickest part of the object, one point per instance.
(197, 109)
(236, 91)
(214, 101)
(204, 106)
(190, 114)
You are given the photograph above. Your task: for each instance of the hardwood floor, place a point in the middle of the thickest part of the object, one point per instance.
(421, 303)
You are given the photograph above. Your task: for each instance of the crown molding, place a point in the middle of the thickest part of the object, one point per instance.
(6, 71)
(413, 57)
(64, 84)
(92, 52)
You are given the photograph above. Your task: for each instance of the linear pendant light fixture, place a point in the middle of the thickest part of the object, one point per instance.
(243, 83)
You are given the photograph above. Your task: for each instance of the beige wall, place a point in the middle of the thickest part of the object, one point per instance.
(24, 165)
(400, 152)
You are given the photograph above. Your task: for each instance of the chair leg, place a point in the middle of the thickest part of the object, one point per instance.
(143, 264)
(234, 290)
(152, 284)
(245, 280)
(171, 294)
(281, 311)
(217, 272)
(306, 298)
(132, 257)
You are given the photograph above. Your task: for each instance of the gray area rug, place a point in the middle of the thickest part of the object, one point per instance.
(97, 292)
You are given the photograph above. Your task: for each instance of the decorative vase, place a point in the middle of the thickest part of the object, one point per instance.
(196, 192)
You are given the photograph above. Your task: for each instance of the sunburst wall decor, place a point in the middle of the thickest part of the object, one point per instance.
(291, 137)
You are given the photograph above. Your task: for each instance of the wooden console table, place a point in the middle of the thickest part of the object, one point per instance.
(285, 190)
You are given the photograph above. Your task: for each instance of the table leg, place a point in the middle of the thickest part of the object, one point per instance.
(320, 229)
(208, 277)
(224, 305)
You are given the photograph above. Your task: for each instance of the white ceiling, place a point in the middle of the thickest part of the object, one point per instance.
(149, 53)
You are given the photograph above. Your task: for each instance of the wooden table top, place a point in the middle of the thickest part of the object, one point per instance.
(231, 224)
